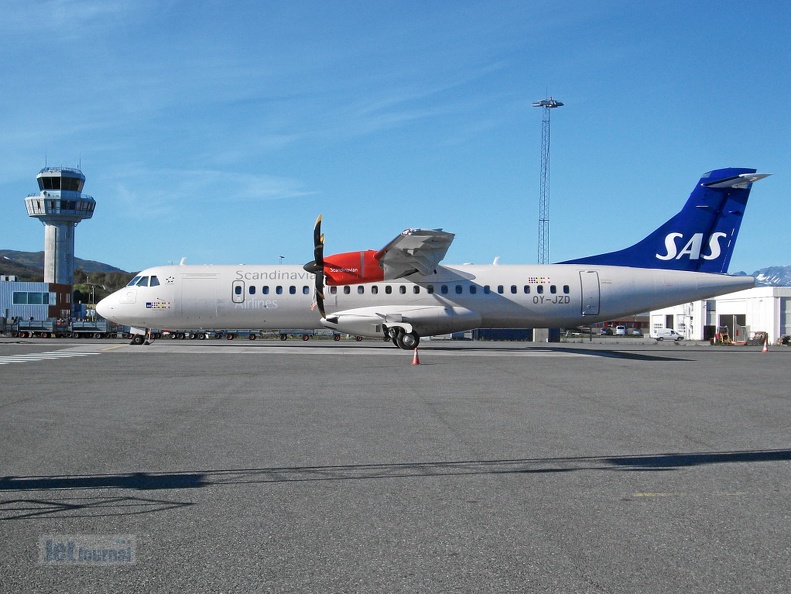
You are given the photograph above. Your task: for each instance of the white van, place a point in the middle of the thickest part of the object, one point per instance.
(667, 333)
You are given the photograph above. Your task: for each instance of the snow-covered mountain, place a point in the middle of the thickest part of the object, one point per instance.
(774, 276)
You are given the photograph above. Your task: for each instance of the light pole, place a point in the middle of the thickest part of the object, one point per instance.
(543, 198)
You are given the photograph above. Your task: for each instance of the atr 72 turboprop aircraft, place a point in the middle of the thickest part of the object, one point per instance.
(402, 293)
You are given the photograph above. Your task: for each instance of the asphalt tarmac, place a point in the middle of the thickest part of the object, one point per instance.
(221, 466)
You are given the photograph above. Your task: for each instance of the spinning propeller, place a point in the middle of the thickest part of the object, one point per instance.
(317, 265)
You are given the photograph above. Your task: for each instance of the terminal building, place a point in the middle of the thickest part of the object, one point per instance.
(38, 301)
(741, 314)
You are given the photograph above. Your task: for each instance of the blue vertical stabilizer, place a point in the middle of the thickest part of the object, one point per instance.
(701, 237)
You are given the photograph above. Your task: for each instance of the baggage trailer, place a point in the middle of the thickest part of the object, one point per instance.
(31, 328)
(95, 329)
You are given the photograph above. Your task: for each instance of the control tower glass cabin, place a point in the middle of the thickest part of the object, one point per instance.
(59, 205)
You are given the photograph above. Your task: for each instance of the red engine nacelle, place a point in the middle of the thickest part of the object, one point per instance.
(352, 268)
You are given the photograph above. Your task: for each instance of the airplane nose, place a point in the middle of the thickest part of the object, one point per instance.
(104, 308)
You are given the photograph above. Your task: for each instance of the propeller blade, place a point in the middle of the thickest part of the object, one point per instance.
(317, 265)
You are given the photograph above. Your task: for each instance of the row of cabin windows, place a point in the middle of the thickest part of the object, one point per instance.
(402, 289)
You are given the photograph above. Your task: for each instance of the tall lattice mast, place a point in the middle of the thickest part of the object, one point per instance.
(543, 199)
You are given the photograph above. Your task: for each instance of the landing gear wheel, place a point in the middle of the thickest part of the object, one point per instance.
(408, 341)
(138, 339)
(284, 337)
(251, 337)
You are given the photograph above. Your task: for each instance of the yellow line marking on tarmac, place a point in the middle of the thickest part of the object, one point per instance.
(112, 348)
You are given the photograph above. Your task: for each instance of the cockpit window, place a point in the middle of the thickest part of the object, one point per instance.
(133, 282)
(143, 282)
(154, 282)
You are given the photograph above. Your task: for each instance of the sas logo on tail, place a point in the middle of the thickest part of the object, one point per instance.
(692, 248)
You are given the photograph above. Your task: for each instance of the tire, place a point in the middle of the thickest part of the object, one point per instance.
(336, 337)
(138, 339)
(305, 337)
(252, 337)
(408, 341)
(284, 337)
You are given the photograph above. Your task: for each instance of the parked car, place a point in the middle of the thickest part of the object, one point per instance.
(605, 331)
(620, 331)
(636, 332)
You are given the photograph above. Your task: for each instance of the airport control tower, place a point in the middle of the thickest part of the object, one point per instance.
(59, 205)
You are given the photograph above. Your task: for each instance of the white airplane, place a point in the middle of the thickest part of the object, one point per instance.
(403, 293)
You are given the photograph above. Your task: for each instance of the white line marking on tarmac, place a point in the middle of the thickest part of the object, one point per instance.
(47, 356)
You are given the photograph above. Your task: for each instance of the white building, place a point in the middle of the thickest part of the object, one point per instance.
(766, 309)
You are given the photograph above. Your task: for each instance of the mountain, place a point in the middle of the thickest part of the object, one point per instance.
(29, 266)
(774, 276)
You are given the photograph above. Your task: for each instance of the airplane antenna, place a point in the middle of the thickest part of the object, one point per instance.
(543, 196)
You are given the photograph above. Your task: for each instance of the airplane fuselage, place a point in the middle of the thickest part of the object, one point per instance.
(454, 298)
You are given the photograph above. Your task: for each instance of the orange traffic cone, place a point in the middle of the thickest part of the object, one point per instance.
(766, 346)
(415, 358)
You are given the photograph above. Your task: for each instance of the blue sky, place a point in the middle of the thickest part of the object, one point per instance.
(218, 131)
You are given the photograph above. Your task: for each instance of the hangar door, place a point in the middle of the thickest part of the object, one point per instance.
(591, 297)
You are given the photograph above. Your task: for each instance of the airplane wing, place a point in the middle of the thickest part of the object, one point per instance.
(414, 250)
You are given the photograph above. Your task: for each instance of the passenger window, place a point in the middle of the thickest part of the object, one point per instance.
(500, 289)
(388, 289)
(265, 290)
(487, 289)
(279, 290)
(374, 290)
(566, 290)
(237, 290)
(429, 289)
(513, 289)
(473, 289)
(416, 290)
(540, 289)
(333, 290)
(527, 289)
(306, 290)
(402, 290)
(553, 289)
(251, 290)
(444, 289)
(360, 290)
(347, 289)
(154, 282)
(292, 290)
(459, 289)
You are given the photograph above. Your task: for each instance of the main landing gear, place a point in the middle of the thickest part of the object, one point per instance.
(401, 338)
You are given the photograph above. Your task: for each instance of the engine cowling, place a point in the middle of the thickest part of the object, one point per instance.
(351, 268)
